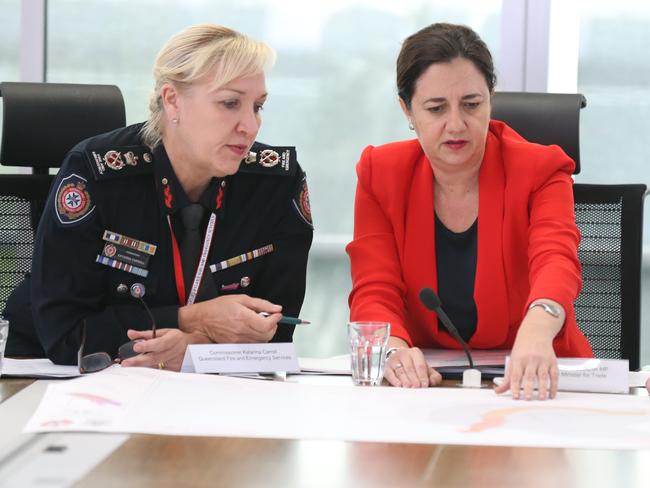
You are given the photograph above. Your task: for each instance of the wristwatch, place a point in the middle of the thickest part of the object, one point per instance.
(390, 352)
(549, 308)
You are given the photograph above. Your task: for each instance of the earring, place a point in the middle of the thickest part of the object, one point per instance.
(411, 126)
(175, 120)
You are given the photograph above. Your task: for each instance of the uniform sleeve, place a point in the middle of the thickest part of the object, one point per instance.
(554, 267)
(283, 278)
(378, 290)
(68, 286)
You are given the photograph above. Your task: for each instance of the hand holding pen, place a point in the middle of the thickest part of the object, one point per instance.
(285, 320)
(231, 319)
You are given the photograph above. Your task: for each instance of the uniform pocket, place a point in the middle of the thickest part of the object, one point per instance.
(238, 279)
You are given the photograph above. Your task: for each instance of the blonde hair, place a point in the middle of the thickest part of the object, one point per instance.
(193, 53)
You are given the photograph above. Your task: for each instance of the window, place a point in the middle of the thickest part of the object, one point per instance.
(9, 41)
(614, 75)
(9, 47)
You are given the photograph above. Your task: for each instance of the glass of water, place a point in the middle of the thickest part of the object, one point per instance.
(368, 341)
(4, 332)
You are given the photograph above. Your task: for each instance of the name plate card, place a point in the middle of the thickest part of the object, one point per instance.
(241, 358)
(593, 375)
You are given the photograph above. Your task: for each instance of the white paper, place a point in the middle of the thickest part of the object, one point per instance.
(240, 358)
(143, 400)
(339, 365)
(37, 368)
(638, 378)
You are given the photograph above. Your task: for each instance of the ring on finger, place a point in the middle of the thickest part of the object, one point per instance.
(161, 365)
(397, 366)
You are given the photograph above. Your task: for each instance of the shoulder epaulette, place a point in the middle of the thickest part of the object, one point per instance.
(114, 162)
(270, 160)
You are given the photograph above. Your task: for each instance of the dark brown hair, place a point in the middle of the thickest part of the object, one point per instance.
(440, 43)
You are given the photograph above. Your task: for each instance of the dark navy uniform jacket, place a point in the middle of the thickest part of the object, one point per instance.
(112, 185)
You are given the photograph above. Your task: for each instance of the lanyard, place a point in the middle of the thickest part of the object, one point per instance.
(178, 264)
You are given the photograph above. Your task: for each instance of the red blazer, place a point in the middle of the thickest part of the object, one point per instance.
(527, 241)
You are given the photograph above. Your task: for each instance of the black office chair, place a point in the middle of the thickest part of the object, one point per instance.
(608, 309)
(544, 118)
(40, 123)
(610, 219)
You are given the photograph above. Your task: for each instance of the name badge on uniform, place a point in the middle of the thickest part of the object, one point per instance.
(125, 253)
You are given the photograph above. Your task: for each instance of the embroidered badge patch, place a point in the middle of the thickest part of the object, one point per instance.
(267, 160)
(73, 203)
(130, 158)
(301, 203)
(118, 161)
(113, 160)
(110, 250)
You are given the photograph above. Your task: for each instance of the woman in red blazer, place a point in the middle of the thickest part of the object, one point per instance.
(475, 212)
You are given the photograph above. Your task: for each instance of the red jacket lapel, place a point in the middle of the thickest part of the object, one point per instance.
(490, 288)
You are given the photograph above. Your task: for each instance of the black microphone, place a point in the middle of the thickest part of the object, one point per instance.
(137, 291)
(430, 300)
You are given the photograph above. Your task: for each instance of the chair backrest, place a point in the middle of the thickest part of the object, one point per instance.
(610, 219)
(43, 121)
(40, 123)
(544, 118)
(22, 199)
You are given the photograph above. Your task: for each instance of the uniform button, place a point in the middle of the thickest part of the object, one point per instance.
(245, 281)
(223, 184)
(122, 288)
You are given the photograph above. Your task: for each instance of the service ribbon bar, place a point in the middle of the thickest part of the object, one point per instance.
(129, 268)
(111, 236)
(242, 258)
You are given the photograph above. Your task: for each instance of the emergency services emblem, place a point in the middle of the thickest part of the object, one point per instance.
(73, 202)
(109, 250)
(113, 160)
(250, 157)
(118, 162)
(265, 160)
(301, 203)
(269, 158)
(131, 159)
(137, 290)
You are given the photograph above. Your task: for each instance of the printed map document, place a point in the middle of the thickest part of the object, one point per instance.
(139, 400)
